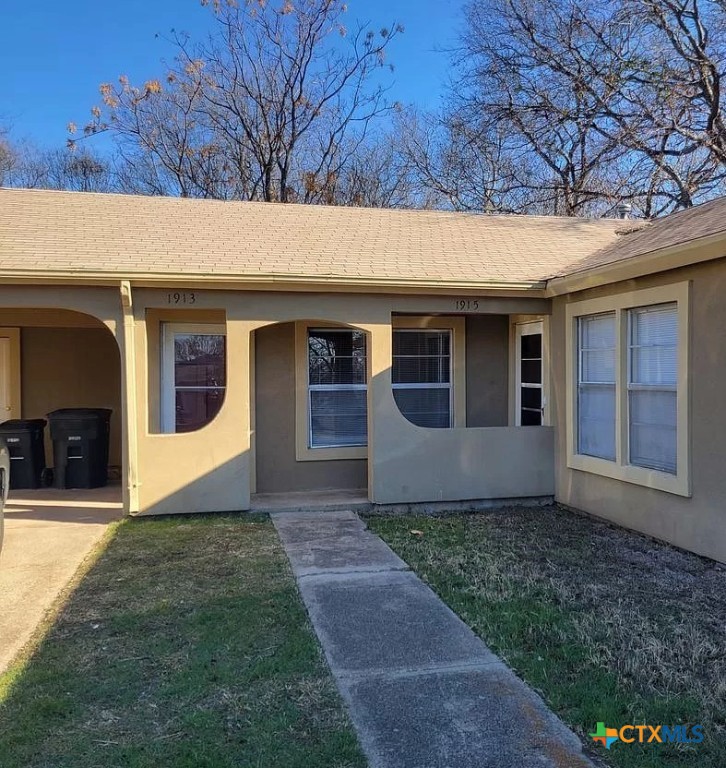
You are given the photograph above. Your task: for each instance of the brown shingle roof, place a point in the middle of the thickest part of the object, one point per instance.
(642, 238)
(74, 233)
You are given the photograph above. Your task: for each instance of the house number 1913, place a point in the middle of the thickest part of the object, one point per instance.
(467, 305)
(181, 298)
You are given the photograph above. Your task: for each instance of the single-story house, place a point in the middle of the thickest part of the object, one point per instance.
(425, 357)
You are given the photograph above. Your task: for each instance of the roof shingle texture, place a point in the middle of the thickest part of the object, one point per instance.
(673, 230)
(77, 233)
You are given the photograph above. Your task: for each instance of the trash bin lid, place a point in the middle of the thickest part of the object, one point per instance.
(19, 425)
(80, 413)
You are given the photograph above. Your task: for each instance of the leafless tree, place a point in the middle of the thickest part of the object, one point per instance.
(667, 107)
(458, 165)
(7, 161)
(34, 168)
(271, 106)
(567, 106)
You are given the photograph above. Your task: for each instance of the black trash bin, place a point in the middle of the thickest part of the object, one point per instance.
(80, 447)
(24, 438)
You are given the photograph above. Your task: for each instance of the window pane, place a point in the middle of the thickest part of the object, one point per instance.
(421, 357)
(654, 365)
(653, 397)
(531, 397)
(655, 326)
(598, 331)
(531, 345)
(532, 371)
(338, 418)
(196, 407)
(421, 370)
(531, 418)
(654, 345)
(415, 342)
(199, 360)
(336, 356)
(596, 420)
(426, 407)
(598, 365)
(653, 418)
(596, 386)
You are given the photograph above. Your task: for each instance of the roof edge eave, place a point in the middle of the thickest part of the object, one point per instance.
(269, 281)
(705, 248)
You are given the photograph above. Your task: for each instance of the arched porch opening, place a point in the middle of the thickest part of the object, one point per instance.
(309, 410)
(55, 358)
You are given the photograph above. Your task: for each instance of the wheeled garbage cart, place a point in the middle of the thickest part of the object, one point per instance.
(24, 438)
(80, 446)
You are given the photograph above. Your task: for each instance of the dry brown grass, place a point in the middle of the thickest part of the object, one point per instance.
(654, 613)
(604, 621)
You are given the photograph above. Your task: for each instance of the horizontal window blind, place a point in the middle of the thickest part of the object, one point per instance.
(422, 376)
(653, 387)
(596, 351)
(338, 418)
(337, 388)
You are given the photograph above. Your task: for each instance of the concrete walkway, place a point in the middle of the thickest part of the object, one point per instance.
(423, 690)
(48, 534)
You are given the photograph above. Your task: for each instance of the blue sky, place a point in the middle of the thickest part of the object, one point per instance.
(54, 55)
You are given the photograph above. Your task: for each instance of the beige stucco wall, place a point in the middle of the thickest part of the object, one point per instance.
(697, 523)
(277, 468)
(212, 469)
(487, 371)
(71, 368)
(411, 464)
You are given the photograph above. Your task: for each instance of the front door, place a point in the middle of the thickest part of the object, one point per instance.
(530, 400)
(9, 354)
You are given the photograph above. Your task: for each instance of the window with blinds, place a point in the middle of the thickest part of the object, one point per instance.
(628, 408)
(596, 391)
(337, 388)
(653, 387)
(422, 376)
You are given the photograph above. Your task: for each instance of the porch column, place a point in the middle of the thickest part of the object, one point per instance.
(129, 407)
(380, 400)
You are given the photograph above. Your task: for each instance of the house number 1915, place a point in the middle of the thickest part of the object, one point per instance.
(181, 298)
(467, 305)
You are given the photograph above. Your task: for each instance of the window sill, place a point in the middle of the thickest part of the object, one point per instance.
(648, 478)
(304, 453)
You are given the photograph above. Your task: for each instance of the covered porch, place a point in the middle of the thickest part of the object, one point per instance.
(409, 400)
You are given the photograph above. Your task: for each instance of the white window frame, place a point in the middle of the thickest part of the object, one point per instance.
(168, 388)
(580, 383)
(457, 351)
(303, 426)
(514, 373)
(455, 324)
(633, 387)
(443, 385)
(620, 468)
(330, 388)
(529, 328)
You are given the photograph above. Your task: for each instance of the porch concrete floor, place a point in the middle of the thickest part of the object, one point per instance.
(311, 501)
(422, 688)
(48, 534)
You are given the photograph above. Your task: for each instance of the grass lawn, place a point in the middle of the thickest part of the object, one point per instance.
(184, 645)
(607, 625)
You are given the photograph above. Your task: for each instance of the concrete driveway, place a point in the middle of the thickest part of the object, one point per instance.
(48, 534)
